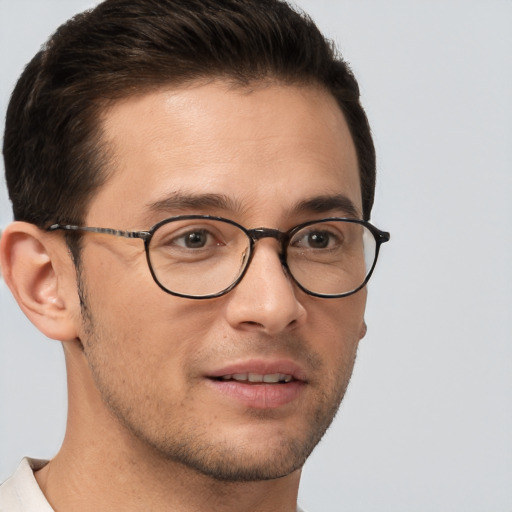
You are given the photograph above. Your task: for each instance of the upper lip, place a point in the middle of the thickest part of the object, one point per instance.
(261, 367)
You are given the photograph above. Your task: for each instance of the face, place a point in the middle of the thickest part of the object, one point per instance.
(267, 156)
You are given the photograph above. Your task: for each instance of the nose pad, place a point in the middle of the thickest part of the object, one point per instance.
(266, 298)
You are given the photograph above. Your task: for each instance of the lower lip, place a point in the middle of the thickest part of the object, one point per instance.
(259, 396)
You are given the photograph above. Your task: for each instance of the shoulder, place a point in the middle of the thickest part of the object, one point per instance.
(20, 492)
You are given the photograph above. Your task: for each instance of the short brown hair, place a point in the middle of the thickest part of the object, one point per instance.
(53, 152)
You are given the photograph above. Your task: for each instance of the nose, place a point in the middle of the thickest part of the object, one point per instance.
(265, 300)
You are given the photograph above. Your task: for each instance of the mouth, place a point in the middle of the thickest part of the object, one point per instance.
(259, 384)
(258, 378)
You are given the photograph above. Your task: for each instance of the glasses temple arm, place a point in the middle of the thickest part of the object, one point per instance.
(106, 231)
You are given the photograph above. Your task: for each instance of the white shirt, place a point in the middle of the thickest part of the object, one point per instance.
(21, 493)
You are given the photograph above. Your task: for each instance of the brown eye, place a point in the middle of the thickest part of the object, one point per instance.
(194, 239)
(318, 240)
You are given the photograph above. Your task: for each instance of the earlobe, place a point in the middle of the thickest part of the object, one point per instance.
(35, 275)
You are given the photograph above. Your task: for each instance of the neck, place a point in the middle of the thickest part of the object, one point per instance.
(85, 484)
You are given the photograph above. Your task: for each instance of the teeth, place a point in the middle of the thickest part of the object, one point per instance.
(271, 378)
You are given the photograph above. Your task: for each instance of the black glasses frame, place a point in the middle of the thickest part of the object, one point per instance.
(283, 237)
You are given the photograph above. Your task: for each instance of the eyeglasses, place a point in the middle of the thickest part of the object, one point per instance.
(202, 257)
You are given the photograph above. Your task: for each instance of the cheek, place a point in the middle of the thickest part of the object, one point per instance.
(143, 329)
(344, 317)
(340, 325)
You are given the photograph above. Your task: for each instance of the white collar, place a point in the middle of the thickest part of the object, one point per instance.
(21, 493)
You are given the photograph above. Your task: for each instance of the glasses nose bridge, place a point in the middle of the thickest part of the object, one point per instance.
(259, 233)
(282, 238)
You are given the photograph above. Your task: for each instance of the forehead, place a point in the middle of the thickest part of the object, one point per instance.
(264, 148)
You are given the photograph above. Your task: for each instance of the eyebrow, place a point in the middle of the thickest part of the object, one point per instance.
(328, 203)
(181, 201)
(318, 204)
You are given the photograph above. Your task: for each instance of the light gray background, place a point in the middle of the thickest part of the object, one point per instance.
(427, 421)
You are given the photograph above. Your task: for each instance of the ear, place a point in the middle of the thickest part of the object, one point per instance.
(40, 274)
(363, 331)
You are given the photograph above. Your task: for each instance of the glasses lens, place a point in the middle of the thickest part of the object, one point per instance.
(332, 257)
(198, 257)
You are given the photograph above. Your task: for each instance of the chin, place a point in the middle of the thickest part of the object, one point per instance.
(243, 466)
(249, 455)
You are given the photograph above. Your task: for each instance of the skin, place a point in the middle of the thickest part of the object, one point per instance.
(152, 430)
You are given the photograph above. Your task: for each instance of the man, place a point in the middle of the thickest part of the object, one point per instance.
(191, 183)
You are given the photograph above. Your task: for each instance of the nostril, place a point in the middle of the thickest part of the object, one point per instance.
(253, 324)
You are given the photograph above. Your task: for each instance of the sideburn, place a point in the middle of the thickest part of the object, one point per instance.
(74, 243)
